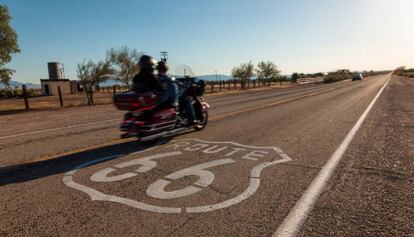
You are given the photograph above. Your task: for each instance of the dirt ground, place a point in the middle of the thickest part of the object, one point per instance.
(50, 102)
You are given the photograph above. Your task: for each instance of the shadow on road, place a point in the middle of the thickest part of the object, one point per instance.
(41, 169)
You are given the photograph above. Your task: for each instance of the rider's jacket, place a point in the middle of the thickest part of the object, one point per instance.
(147, 81)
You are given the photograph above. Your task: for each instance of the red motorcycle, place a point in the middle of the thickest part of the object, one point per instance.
(148, 121)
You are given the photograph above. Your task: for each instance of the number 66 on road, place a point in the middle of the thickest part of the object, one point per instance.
(203, 171)
(157, 189)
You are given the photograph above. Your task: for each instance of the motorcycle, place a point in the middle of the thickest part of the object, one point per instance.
(149, 122)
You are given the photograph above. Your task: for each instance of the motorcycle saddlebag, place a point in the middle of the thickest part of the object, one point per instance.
(132, 100)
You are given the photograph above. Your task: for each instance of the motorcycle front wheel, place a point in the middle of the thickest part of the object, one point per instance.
(203, 123)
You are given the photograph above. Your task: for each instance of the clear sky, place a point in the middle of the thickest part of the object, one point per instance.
(210, 35)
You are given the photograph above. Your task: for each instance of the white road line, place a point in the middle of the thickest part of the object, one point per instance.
(57, 129)
(297, 216)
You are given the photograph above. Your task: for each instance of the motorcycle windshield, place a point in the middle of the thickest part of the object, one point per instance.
(182, 71)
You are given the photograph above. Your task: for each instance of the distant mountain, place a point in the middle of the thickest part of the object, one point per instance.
(14, 84)
(213, 77)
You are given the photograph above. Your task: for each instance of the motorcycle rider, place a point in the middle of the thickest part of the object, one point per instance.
(185, 100)
(174, 93)
(171, 87)
(146, 80)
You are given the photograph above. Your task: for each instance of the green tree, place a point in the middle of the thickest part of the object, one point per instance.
(295, 77)
(91, 74)
(8, 45)
(267, 71)
(125, 62)
(243, 72)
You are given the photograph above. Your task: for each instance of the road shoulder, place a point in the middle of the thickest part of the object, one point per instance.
(371, 193)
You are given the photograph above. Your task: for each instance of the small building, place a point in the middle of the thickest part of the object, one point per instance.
(50, 86)
(57, 79)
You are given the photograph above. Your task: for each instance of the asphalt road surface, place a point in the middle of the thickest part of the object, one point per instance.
(317, 160)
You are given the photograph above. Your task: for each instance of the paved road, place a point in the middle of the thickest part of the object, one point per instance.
(49, 133)
(241, 176)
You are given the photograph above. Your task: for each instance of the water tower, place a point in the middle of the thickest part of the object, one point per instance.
(55, 70)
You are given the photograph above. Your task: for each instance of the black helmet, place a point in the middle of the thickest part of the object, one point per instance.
(147, 63)
(162, 66)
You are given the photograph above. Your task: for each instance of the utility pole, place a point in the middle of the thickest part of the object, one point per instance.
(216, 76)
(184, 72)
(164, 56)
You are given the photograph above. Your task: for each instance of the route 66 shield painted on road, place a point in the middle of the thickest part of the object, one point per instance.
(211, 160)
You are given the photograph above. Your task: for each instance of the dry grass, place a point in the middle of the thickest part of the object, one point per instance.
(51, 102)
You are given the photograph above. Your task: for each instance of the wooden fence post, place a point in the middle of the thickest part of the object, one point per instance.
(25, 97)
(91, 95)
(212, 87)
(60, 96)
(220, 85)
(114, 90)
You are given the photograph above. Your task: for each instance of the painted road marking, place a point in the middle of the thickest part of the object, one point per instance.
(99, 196)
(206, 177)
(57, 129)
(297, 216)
(146, 164)
(258, 157)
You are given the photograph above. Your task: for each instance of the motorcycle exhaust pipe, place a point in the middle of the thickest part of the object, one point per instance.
(163, 134)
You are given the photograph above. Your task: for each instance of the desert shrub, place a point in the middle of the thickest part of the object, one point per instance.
(295, 76)
(374, 73)
(402, 71)
(17, 92)
(339, 75)
(32, 93)
(8, 93)
(369, 73)
(3, 93)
